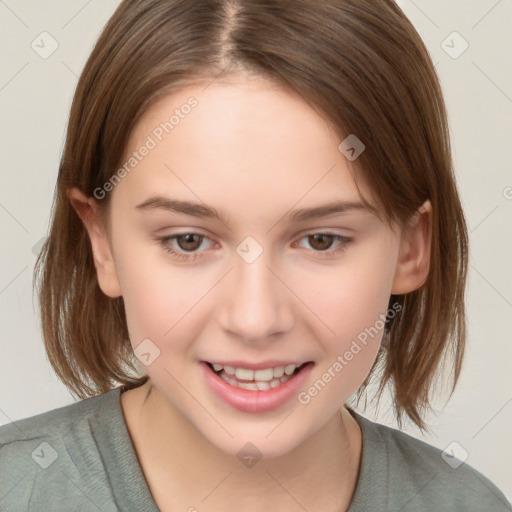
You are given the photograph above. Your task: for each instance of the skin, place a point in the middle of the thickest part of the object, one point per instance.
(254, 152)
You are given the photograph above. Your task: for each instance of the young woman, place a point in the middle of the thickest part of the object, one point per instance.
(256, 216)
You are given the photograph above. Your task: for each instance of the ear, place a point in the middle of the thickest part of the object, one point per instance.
(88, 211)
(414, 259)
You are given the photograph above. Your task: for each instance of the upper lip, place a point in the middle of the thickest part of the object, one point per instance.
(262, 365)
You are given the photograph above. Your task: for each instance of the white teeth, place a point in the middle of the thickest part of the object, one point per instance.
(251, 386)
(255, 380)
(244, 374)
(290, 369)
(229, 370)
(278, 371)
(264, 375)
(223, 376)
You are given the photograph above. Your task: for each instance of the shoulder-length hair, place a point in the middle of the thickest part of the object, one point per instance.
(362, 65)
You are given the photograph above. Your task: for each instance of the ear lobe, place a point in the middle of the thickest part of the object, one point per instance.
(88, 212)
(414, 260)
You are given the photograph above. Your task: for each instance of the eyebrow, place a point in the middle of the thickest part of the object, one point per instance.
(203, 211)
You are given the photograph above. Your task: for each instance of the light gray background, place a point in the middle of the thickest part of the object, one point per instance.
(35, 96)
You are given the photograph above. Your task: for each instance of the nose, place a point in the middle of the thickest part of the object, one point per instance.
(257, 304)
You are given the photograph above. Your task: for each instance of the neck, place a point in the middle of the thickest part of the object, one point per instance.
(184, 470)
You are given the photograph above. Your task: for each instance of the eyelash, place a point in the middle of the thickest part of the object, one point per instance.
(164, 243)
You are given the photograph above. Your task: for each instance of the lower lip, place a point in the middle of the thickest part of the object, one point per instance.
(255, 401)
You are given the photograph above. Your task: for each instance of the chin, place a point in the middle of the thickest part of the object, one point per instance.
(257, 447)
(258, 439)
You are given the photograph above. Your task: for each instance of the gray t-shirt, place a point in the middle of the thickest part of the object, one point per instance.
(80, 458)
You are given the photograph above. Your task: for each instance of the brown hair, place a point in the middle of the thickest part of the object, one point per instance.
(362, 65)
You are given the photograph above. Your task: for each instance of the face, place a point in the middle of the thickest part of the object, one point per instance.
(261, 287)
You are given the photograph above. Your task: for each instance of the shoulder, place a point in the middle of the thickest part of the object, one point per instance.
(421, 477)
(52, 422)
(52, 451)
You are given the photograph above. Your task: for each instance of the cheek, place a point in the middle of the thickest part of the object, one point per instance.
(357, 317)
(345, 300)
(159, 297)
(350, 305)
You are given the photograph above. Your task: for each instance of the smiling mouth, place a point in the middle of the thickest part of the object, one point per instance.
(256, 380)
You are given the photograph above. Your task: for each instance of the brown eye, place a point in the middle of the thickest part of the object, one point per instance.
(320, 244)
(189, 241)
(321, 241)
(185, 247)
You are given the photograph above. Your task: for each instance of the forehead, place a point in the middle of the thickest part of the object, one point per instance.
(240, 108)
(244, 137)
